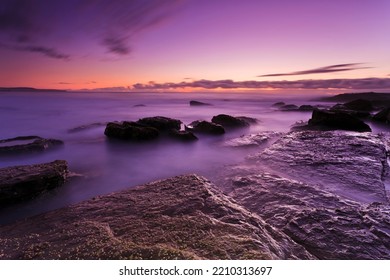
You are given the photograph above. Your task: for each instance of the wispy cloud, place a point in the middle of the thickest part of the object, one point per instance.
(325, 69)
(39, 26)
(368, 83)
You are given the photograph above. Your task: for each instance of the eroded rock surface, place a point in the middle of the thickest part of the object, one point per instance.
(252, 140)
(350, 164)
(26, 144)
(130, 131)
(327, 225)
(23, 182)
(183, 217)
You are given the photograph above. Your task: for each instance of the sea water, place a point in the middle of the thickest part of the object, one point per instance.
(100, 165)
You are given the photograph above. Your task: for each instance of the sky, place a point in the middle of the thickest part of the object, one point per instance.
(191, 45)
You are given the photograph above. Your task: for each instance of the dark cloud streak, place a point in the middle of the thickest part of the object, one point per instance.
(326, 69)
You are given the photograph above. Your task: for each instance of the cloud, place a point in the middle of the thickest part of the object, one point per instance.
(64, 83)
(367, 83)
(325, 69)
(53, 28)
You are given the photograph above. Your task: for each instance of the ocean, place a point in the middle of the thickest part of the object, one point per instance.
(102, 166)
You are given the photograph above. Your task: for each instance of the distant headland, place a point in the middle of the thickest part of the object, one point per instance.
(30, 89)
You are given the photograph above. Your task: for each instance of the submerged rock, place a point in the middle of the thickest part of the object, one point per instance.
(25, 144)
(130, 131)
(85, 127)
(160, 123)
(183, 217)
(352, 165)
(230, 121)
(206, 127)
(328, 120)
(278, 104)
(24, 182)
(289, 107)
(198, 103)
(306, 108)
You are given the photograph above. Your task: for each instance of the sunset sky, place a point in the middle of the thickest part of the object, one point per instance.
(195, 44)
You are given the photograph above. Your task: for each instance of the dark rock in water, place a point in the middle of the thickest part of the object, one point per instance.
(139, 105)
(349, 164)
(340, 108)
(337, 120)
(25, 144)
(85, 127)
(359, 105)
(130, 131)
(160, 123)
(198, 103)
(229, 121)
(382, 116)
(248, 120)
(206, 127)
(306, 108)
(327, 225)
(289, 107)
(185, 136)
(24, 182)
(278, 104)
(183, 217)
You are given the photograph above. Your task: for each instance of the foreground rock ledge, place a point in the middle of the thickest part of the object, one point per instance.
(23, 182)
(183, 217)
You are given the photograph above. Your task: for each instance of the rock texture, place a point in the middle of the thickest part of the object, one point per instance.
(27, 144)
(206, 127)
(130, 131)
(23, 182)
(230, 121)
(160, 123)
(183, 217)
(350, 164)
(198, 103)
(253, 140)
(327, 225)
(185, 136)
(382, 116)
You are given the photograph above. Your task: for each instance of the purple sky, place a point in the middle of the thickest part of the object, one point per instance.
(195, 44)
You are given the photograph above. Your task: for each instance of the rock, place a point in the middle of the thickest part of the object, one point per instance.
(139, 105)
(349, 164)
(326, 120)
(25, 144)
(185, 136)
(183, 217)
(327, 225)
(248, 120)
(252, 140)
(130, 131)
(278, 104)
(160, 123)
(229, 121)
(382, 116)
(24, 182)
(206, 127)
(289, 107)
(198, 103)
(359, 105)
(306, 108)
(85, 127)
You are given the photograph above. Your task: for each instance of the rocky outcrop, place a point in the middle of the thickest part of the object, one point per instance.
(206, 127)
(306, 108)
(382, 116)
(278, 104)
(330, 120)
(349, 164)
(183, 217)
(24, 182)
(228, 121)
(289, 107)
(185, 136)
(198, 103)
(26, 144)
(160, 123)
(359, 105)
(130, 131)
(86, 127)
(327, 225)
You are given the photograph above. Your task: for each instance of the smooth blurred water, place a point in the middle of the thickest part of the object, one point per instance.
(108, 166)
